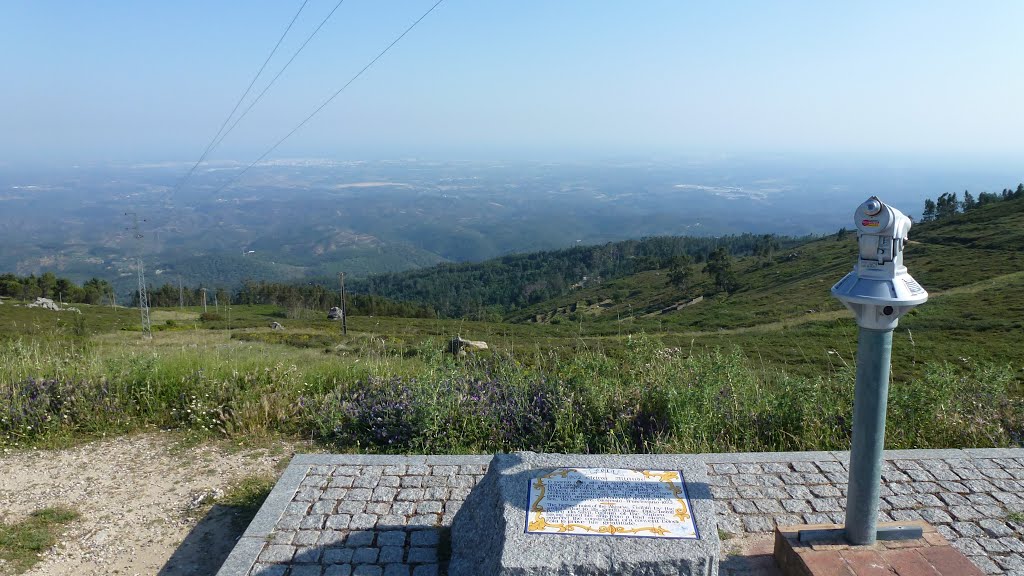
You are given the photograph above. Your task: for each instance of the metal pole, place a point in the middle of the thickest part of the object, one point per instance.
(344, 312)
(871, 394)
(143, 296)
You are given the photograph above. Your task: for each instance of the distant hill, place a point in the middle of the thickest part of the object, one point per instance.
(986, 243)
(775, 277)
(996, 226)
(292, 220)
(501, 286)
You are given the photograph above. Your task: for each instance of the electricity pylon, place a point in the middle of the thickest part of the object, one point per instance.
(147, 331)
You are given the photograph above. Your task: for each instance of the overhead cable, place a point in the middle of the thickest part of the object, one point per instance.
(329, 100)
(274, 79)
(210, 146)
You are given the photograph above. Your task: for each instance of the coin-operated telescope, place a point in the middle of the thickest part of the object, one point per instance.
(879, 290)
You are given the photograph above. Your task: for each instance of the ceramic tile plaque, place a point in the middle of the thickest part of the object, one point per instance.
(610, 502)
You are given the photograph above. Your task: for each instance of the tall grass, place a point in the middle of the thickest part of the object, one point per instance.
(649, 399)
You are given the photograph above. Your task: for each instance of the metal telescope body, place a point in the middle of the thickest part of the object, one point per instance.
(878, 291)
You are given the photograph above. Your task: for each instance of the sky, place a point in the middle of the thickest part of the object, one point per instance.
(130, 81)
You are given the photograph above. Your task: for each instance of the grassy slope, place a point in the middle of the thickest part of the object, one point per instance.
(237, 375)
(784, 312)
(974, 310)
(800, 281)
(998, 226)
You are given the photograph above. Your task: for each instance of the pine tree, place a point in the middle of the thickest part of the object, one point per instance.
(929, 210)
(947, 206)
(987, 198)
(679, 272)
(969, 203)
(766, 247)
(719, 266)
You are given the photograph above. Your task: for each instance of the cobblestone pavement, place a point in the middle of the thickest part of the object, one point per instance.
(391, 515)
(977, 503)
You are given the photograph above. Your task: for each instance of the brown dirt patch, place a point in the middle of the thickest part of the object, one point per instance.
(139, 497)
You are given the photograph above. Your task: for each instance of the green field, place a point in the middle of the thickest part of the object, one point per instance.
(613, 367)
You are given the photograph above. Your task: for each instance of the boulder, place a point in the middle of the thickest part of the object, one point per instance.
(44, 303)
(460, 346)
(334, 313)
(276, 326)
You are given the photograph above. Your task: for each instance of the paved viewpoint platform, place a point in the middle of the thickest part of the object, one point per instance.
(333, 515)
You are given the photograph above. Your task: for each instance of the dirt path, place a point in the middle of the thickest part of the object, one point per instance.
(143, 500)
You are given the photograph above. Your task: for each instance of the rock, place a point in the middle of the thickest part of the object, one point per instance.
(276, 326)
(44, 303)
(460, 347)
(334, 313)
(200, 498)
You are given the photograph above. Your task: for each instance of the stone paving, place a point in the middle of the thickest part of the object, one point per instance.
(362, 515)
(973, 498)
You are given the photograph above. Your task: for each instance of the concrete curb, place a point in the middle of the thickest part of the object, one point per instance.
(248, 548)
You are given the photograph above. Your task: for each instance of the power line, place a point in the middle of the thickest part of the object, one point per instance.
(274, 79)
(210, 146)
(329, 100)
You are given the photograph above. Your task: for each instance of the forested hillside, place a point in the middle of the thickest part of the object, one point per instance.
(985, 243)
(495, 287)
(992, 221)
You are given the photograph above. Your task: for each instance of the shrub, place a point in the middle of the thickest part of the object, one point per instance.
(374, 413)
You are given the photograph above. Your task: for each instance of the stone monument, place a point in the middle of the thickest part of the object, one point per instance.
(535, 514)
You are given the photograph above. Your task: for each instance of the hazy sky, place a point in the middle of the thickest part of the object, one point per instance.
(139, 80)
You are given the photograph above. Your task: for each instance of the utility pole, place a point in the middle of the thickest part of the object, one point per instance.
(373, 307)
(204, 298)
(181, 295)
(147, 331)
(344, 312)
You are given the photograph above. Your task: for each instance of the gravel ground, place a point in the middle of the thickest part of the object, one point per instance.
(145, 502)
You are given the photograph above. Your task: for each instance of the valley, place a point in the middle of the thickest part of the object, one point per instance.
(609, 366)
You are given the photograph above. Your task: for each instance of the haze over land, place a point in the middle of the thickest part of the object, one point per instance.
(314, 218)
(639, 206)
(463, 142)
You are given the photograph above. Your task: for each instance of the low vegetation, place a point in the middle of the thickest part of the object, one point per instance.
(676, 359)
(22, 543)
(646, 397)
(244, 498)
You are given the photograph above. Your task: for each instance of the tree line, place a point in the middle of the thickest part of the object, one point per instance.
(484, 290)
(169, 295)
(306, 296)
(317, 296)
(947, 205)
(49, 285)
(493, 288)
(290, 296)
